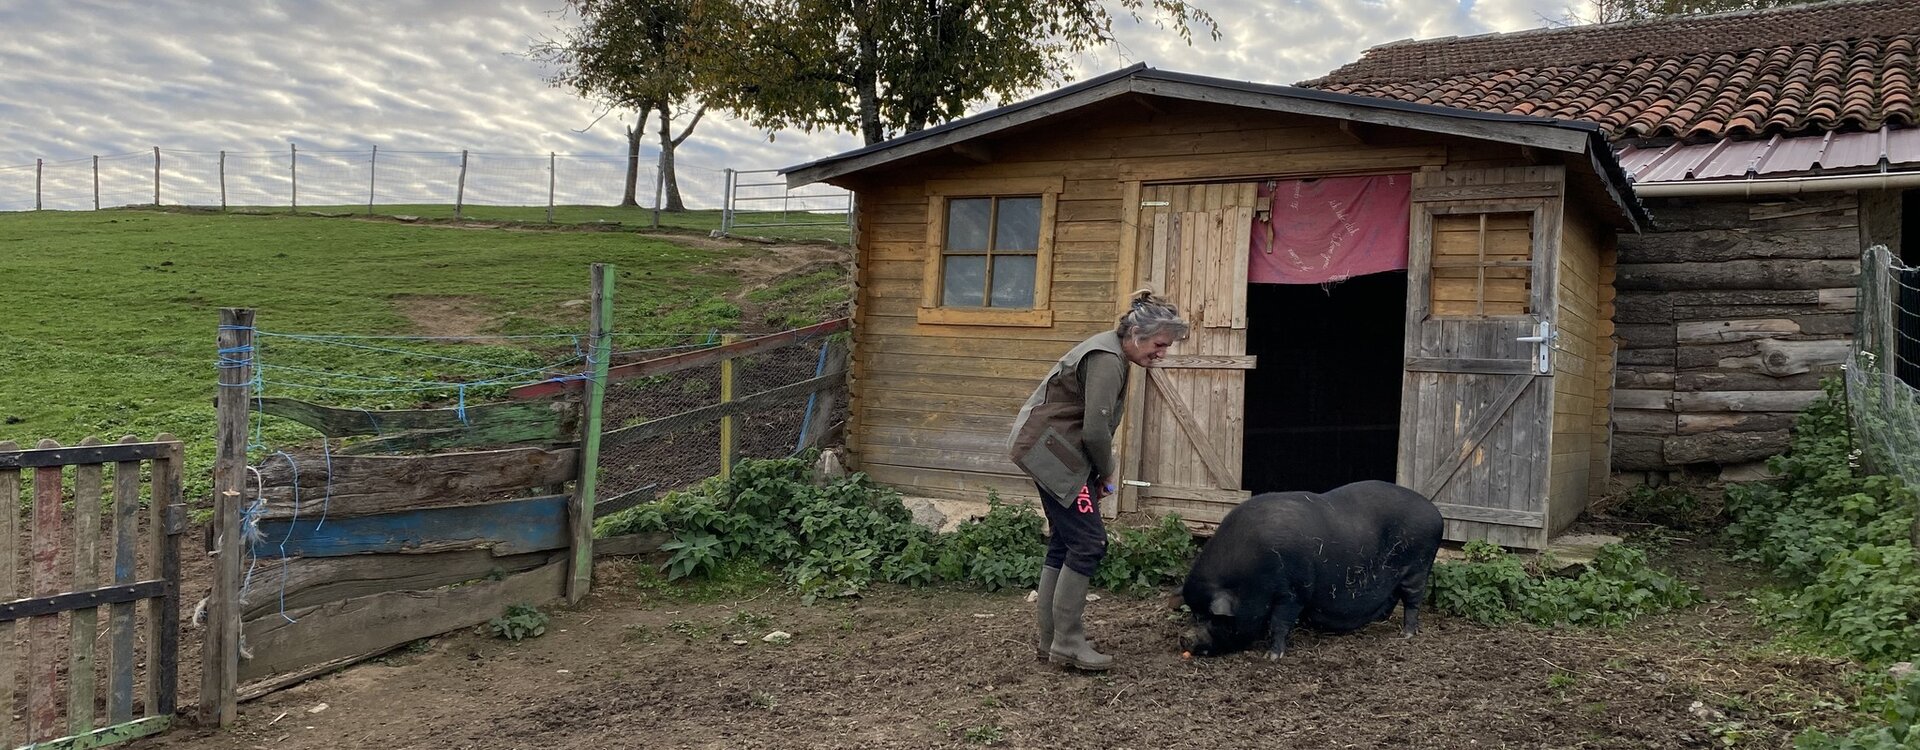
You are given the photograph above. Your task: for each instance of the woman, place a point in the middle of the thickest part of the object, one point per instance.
(1063, 439)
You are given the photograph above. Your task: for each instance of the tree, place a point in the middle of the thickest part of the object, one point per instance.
(1608, 11)
(645, 56)
(884, 67)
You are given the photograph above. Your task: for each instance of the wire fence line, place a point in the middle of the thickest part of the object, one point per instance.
(1885, 366)
(474, 183)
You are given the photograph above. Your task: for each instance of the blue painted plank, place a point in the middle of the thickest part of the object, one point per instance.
(511, 527)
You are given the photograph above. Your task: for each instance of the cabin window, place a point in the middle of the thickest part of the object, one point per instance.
(1482, 264)
(989, 248)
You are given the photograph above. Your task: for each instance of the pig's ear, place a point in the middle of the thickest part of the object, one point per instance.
(1223, 604)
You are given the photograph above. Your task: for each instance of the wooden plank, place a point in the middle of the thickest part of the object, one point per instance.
(625, 500)
(126, 528)
(580, 505)
(1469, 365)
(695, 417)
(630, 544)
(166, 521)
(689, 360)
(112, 735)
(9, 588)
(1207, 362)
(509, 527)
(220, 655)
(1476, 432)
(81, 454)
(1434, 193)
(1727, 331)
(85, 599)
(43, 703)
(289, 585)
(84, 622)
(370, 623)
(1744, 401)
(343, 486)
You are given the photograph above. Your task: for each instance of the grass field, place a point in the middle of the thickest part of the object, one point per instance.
(110, 317)
(816, 226)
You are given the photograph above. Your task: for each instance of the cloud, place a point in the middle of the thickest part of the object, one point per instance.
(425, 79)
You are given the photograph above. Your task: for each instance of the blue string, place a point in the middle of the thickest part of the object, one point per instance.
(327, 502)
(806, 419)
(290, 527)
(461, 410)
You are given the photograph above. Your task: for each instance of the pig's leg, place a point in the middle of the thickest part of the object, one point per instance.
(1412, 591)
(1280, 622)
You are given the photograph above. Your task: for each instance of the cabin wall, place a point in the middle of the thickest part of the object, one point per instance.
(1578, 366)
(1728, 316)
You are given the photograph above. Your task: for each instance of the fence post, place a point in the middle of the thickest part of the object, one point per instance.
(726, 201)
(729, 440)
(156, 176)
(600, 296)
(373, 165)
(460, 190)
(551, 175)
(223, 180)
(293, 174)
(96, 182)
(220, 660)
(39, 165)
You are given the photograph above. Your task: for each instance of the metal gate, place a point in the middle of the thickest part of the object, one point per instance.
(759, 198)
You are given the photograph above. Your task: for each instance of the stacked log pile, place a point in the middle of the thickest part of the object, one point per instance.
(1727, 318)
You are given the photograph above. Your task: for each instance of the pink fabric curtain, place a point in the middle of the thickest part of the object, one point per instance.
(1330, 229)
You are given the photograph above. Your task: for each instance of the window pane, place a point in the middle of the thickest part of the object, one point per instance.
(964, 284)
(1018, 225)
(1013, 281)
(967, 224)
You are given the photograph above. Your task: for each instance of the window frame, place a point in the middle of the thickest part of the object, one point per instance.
(1543, 250)
(939, 193)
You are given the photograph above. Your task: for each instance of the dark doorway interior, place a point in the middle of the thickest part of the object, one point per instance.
(1323, 401)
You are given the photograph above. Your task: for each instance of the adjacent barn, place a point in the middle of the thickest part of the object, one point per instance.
(1379, 289)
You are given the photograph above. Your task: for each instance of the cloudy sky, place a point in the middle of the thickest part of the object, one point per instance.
(424, 79)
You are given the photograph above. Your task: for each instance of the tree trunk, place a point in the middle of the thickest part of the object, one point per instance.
(866, 82)
(634, 134)
(672, 201)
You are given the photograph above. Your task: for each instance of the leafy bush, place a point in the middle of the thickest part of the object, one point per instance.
(1896, 704)
(1493, 587)
(521, 621)
(835, 539)
(1672, 506)
(1838, 536)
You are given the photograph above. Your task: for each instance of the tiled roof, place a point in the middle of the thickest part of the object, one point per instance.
(1848, 65)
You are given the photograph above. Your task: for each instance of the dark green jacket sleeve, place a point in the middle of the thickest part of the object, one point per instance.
(1104, 374)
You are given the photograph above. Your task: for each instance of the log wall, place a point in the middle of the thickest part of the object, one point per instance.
(1727, 316)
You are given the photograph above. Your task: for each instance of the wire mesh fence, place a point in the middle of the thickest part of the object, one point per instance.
(558, 188)
(680, 407)
(1881, 377)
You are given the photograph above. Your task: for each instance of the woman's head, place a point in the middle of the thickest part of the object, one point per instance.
(1149, 327)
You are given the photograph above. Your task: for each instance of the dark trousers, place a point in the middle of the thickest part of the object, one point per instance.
(1079, 539)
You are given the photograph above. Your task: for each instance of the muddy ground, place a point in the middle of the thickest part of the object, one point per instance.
(642, 666)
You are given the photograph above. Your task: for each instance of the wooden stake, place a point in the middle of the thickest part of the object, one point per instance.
(156, 175)
(86, 575)
(460, 189)
(580, 578)
(220, 658)
(729, 442)
(293, 175)
(552, 174)
(9, 572)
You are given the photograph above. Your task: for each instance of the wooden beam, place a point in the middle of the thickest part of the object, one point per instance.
(692, 418)
(374, 623)
(531, 524)
(342, 486)
(551, 421)
(1216, 468)
(586, 486)
(112, 735)
(1469, 365)
(1207, 362)
(689, 360)
(166, 522)
(81, 455)
(1502, 516)
(41, 606)
(309, 581)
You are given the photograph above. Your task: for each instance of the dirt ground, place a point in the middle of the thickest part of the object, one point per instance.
(917, 669)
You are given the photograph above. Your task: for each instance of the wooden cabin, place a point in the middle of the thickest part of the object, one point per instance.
(1445, 324)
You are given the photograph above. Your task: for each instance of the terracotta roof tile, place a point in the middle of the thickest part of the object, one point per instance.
(1843, 65)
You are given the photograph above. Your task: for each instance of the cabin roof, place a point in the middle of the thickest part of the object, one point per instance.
(1564, 136)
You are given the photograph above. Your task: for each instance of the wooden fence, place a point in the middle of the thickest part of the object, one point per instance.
(391, 539)
(105, 477)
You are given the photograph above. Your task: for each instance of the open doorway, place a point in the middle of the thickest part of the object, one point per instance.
(1323, 402)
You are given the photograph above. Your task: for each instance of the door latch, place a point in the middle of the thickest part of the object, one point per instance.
(1544, 335)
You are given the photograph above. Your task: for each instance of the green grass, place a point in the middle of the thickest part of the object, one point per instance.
(110, 317)
(832, 229)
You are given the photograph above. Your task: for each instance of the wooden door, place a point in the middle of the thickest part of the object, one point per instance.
(1193, 419)
(1477, 401)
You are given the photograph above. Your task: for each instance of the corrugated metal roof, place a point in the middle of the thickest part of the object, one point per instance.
(1779, 156)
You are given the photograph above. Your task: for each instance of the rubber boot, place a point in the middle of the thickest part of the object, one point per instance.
(1043, 609)
(1070, 646)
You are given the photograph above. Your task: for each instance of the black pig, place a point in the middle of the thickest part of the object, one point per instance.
(1335, 562)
